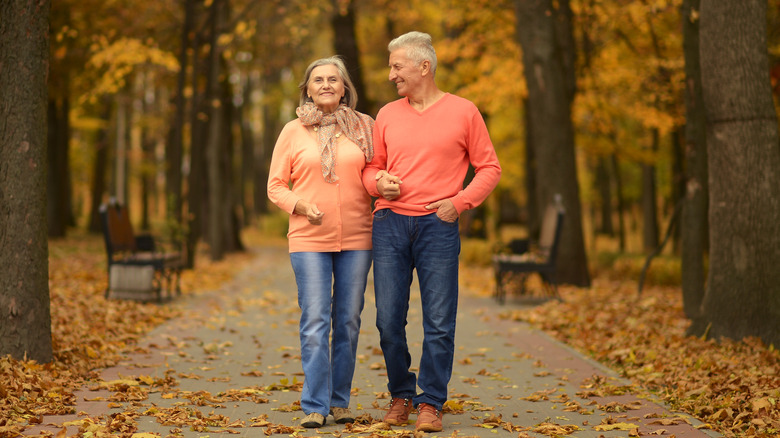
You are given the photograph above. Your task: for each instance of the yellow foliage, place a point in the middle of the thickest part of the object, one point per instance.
(118, 59)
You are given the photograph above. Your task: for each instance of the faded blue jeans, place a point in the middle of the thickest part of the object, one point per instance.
(431, 246)
(328, 367)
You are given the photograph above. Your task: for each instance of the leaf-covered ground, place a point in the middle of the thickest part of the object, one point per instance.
(88, 332)
(732, 386)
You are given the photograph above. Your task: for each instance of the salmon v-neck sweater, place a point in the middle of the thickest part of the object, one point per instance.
(430, 151)
(296, 173)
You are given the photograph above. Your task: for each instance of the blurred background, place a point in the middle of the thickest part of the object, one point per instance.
(173, 107)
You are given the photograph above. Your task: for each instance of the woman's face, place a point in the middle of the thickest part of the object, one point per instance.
(326, 88)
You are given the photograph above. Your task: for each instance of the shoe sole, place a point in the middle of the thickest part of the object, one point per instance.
(345, 420)
(428, 428)
(311, 425)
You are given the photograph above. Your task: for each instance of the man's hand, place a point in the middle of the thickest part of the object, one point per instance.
(389, 186)
(445, 209)
(310, 210)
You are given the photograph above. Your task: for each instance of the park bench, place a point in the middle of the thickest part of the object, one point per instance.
(137, 268)
(521, 258)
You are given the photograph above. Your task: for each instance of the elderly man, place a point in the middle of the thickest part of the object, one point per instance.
(423, 144)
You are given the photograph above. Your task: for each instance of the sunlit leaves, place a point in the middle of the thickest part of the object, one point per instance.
(733, 386)
(88, 333)
(118, 59)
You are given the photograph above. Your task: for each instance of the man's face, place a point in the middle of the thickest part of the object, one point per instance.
(404, 72)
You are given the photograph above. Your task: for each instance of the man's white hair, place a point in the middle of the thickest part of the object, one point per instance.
(418, 45)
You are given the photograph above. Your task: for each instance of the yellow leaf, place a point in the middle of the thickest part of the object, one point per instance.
(616, 426)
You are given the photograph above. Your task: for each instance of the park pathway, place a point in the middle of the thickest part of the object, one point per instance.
(231, 367)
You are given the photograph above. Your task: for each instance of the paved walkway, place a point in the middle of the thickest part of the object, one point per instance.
(231, 367)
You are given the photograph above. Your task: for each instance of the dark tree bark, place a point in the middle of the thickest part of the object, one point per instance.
(25, 318)
(345, 43)
(604, 187)
(196, 180)
(175, 147)
(230, 233)
(271, 128)
(99, 168)
(650, 202)
(743, 147)
(678, 180)
(58, 162)
(694, 225)
(532, 205)
(621, 204)
(215, 142)
(246, 189)
(544, 32)
(147, 167)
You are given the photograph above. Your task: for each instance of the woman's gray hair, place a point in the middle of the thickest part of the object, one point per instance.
(350, 95)
(418, 45)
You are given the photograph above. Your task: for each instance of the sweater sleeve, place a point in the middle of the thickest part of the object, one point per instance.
(280, 171)
(378, 162)
(482, 156)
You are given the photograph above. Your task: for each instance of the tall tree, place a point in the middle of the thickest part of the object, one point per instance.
(175, 147)
(694, 213)
(545, 34)
(743, 283)
(25, 319)
(345, 43)
(215, 142)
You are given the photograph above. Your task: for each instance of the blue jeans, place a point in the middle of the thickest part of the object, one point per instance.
(430, 245)
(328, 369)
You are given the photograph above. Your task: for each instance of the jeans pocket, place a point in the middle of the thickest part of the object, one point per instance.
(381, 214)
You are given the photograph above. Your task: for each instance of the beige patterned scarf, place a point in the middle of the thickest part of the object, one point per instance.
(356, 126)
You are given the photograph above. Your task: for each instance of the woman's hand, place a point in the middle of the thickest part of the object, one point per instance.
(310, 210)
(389, 186)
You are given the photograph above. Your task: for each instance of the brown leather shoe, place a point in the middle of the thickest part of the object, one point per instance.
(428, 418)
(398, 414)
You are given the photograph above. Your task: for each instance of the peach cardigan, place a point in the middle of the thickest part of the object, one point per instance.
(296, 174)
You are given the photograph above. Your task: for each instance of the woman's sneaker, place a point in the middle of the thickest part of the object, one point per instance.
(342, 415)
(313, 420)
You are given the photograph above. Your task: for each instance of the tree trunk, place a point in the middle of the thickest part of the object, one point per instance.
(121, 149)
(604, 187)
(25, 318)
(678, 180)
(99, 168)
(271, 128)
(743, 286)
(196, 180)
(621, 204)
(650, 202)
(230, 234)
(58, 178)
(175, 147)
(345, 43)
(694, 226)
(246, 189)
(214, 143)
(147, 168)
(533, 208)
(544, 32)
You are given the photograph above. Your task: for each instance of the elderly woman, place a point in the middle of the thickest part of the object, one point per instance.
(323, 153)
